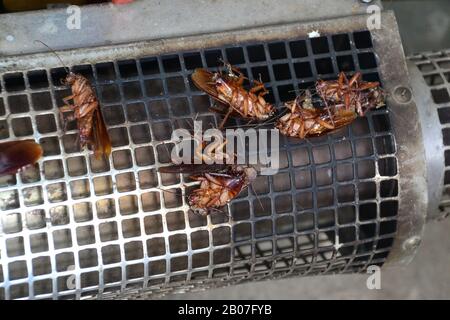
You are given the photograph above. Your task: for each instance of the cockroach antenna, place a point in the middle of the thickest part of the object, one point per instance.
(54, 52)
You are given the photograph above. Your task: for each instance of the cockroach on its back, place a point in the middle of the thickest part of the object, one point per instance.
(304, 121)
(15, 155)
(218, 185)
(227, 88)
(219, 182)
(343, 101)
(352, 94)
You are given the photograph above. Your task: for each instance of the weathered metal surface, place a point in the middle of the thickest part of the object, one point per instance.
(145, 20)
(407, 128)
(433, 140)
(430, 77)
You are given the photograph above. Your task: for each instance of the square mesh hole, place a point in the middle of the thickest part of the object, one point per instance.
(128, 205)
(133, 250)
(144, 156)
(172, 198)
(132, 90)
(151, 201)
(192, 60)
(103, 185)
(122, 159)
(175, 220)
(71, 143)
(88, 258)
(32, 196)
(50, 146)
(108, 231)
(15, 247)
(41, 266)
(9, 200)
(82, 212)
(59, 215)
(38, 242)
(111, 254)
(178, 243)
(30, 174)
(158, 109)
(131, 228)
(85, 235)
(64, 261)
(98, 165)
(105, 208)
(18, 104)
(125, 182)
(113, 115)
(35, 219)
(127, 68)
(14, 82)
(140, 134)
(62, 238)
(136, 112)
(153, 224)
(80, 189)
(76, 166)
(22, 126)
(147, 179)
(199, 239)
(118, 136)
(156, 247)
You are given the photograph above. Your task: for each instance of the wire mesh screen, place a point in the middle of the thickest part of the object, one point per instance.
(435, 68)
(74, 227)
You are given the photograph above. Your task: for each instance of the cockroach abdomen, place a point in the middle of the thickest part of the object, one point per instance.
(15, 155)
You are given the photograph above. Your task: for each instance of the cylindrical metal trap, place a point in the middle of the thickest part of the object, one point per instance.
(77, 227)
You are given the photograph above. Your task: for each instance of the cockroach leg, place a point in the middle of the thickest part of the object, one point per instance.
(85, 111)
(225, 118)
(65, 119)
(259, 87)
(67, 99)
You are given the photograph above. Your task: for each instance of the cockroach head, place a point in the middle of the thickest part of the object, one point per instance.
(70, 79)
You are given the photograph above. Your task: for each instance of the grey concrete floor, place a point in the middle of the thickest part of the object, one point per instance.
(426, 277)
(424, 25)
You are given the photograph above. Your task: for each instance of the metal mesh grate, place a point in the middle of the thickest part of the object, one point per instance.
(73, 226)
(435, 69)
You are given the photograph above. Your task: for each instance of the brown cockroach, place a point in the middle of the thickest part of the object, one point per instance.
(227, 88)
(353, 95)
(303, 120)
(86, 111)
(219, 184)
(220, 181)
(15, 155)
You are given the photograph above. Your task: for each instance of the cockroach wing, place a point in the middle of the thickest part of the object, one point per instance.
(204, 80)
(101, 140)
(15, 155)
(343, 118)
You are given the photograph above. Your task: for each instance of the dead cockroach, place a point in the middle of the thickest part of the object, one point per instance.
(303, 120)
(15, 155)
(220, 181)
(227, 88)
(353, 95)
(219, 184)
(86, 111)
